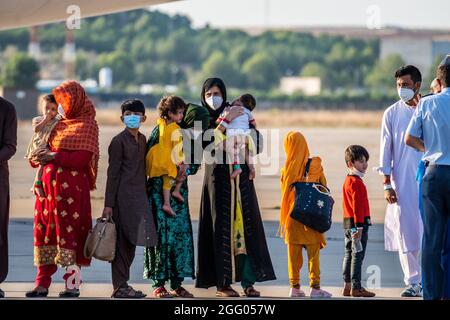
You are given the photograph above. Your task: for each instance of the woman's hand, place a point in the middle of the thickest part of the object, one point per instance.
(233, 112)
(252, 172)
(43, 156)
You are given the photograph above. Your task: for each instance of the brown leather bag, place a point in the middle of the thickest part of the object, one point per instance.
(101, 241)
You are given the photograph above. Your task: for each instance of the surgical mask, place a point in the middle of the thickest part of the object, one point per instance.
(355, 172)
(61, 110)
(214, 101)
(132, 121)
(406, 94)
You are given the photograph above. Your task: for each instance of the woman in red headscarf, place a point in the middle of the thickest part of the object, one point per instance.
(62, 219)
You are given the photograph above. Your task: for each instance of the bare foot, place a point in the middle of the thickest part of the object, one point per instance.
(177, 195)
(235, 173)
(168, 210)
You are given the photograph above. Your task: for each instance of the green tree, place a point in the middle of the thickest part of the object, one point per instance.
(381, 77)
(261, 71)
(218, 65)
(432, 72)
(122, 67)
(85, 65)
(315, 69)
(21, 71)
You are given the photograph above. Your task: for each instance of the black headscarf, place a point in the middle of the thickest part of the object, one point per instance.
(208, 84)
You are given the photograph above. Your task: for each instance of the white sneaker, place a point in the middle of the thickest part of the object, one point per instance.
(319, 293)
(412, 291)
(296, 293)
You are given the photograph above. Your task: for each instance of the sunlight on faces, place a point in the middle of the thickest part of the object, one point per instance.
(406, 82)
(213, 91)
(177, 117)
(49, 109)
(359, 164)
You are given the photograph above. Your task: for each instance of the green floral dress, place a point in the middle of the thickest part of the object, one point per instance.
(173, 258)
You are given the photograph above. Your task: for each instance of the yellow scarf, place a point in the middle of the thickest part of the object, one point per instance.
(297, 155)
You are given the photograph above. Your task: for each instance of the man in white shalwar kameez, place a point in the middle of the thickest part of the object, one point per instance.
(398, 164)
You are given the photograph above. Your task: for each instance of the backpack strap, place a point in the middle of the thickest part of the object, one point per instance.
(308, 164)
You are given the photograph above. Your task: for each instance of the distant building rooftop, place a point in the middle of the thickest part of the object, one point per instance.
(353, 32)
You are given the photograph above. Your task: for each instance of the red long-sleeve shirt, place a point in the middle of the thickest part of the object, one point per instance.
(355, 202)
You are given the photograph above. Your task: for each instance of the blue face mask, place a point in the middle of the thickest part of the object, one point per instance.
(132, 121)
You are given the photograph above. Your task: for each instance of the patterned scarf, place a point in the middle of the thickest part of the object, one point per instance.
(78, 130)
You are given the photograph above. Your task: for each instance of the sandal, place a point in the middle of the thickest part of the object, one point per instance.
(227, 292)
(127, 293)
(36, 294)
(69, 293)
(161, 292)
(181, 292)
(250, 292)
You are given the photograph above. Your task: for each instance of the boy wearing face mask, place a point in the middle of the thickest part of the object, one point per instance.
(356, 221)
(398, 165)
(126, 198)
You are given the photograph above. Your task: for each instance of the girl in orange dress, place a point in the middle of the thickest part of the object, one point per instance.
(296, 235)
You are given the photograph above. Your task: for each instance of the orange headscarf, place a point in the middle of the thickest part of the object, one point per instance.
(297, 155)
(78, 130)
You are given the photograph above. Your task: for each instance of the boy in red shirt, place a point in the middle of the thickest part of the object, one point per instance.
(356, 220)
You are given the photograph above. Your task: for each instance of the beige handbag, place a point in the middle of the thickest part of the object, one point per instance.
(101, 241)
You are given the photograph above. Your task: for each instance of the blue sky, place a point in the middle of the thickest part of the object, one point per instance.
(410, 13)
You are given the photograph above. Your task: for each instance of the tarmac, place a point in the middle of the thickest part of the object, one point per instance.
(381, 271)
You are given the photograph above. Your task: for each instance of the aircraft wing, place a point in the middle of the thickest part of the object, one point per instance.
(25, 13)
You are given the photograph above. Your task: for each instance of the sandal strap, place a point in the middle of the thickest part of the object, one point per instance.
(250, 291)
(128, 292)
(182, 292)
(161, 291)
(228, 291)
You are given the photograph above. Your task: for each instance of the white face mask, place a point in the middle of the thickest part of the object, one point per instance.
(355, 172)
(214, 101)
(61, 110)
(406, 94)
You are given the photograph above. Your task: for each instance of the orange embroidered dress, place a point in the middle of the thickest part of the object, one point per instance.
(63, 218)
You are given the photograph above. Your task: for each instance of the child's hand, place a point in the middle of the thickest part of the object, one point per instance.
(390, 195)
(357, 234)
(107, 213)
(39, 191)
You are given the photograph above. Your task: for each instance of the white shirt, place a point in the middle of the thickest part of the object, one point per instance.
(403, 225)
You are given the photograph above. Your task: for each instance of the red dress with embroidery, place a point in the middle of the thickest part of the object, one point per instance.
(63, 218)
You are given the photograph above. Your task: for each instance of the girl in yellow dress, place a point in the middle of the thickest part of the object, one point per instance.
(166, 157)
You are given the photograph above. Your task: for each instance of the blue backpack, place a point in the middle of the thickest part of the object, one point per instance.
(313, 204)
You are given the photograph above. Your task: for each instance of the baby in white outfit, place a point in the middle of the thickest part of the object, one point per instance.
(238, 133)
